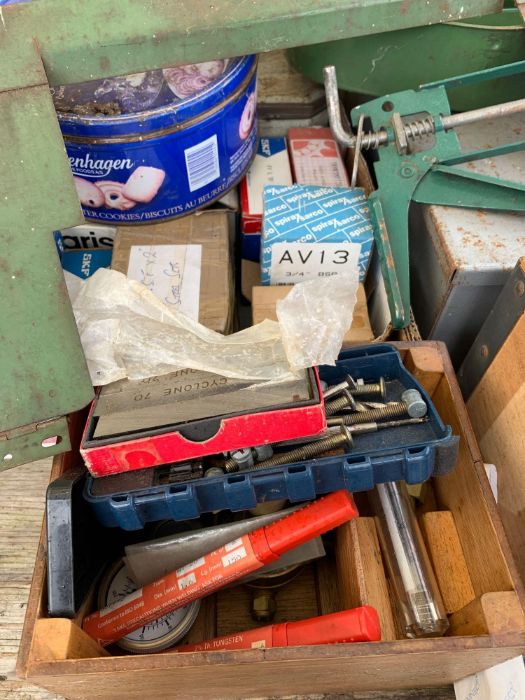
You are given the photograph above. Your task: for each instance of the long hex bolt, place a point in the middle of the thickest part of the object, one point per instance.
(347, 396)
(413, 405)
(343, 439)
(346, 400)
(373, 389)
(392, 410)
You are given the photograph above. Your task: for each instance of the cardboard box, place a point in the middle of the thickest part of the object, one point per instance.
(312, 231)
(264, 300)
(84, 263)
(316, 159)
(198, 244)
(271, 166)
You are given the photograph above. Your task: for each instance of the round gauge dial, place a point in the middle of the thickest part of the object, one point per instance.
(155, 636)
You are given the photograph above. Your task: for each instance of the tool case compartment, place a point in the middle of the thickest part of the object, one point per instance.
(487, 615)
(412, 453)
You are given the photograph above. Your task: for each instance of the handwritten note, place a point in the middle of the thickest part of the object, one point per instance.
(506, 681)
(171, 272)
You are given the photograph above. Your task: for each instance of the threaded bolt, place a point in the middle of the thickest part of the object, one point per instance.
(392, 410)
(340, 388)
(345, 400)
(343, 439)
(374, 389)
(214, 471)
(416, 406)
(262, 452)
(240, 459)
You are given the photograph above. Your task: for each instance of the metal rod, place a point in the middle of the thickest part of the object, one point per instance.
(373, 139)
(334, 112)
(477, 115)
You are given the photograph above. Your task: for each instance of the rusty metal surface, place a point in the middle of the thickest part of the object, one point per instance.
(480, 239)
(461, 258)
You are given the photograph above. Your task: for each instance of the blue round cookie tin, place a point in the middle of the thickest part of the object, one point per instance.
(154, 146)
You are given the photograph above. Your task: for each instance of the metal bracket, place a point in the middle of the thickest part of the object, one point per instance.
(410, 168)
(509, 307)
(30, 442)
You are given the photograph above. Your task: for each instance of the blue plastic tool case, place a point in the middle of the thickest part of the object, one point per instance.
(412, 453)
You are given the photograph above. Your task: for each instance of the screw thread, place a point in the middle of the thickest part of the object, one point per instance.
(306, 452)
(393, 410)
(366, 389)
(336, 405)
(230, 465)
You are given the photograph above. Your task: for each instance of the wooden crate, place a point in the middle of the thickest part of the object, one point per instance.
(482, 592)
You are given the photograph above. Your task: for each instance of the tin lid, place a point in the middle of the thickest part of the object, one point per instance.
(150, 101)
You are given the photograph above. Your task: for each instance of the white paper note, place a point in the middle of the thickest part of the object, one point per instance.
(505, 681)
(171, 272)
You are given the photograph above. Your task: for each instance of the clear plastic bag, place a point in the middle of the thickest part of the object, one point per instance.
(127, 332)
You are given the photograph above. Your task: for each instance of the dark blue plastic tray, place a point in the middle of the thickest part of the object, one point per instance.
(411, 453)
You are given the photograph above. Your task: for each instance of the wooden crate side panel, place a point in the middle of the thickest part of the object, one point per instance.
(496, 410)
(448, 561)
(462, 493)
(394, 666)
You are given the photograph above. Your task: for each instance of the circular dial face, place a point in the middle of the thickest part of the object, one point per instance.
(122, 585)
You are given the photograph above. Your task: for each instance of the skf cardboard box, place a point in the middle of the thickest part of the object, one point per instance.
(271, 166)
(186, 263)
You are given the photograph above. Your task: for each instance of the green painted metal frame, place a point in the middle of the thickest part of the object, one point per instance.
(427, 177)
(47, 42)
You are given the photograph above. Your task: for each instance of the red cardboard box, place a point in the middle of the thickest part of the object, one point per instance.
(316, 158)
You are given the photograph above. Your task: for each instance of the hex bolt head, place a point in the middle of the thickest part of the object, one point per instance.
(416, 406)
(243, 458)
(214, 471)
(263, 452)
(348, 435)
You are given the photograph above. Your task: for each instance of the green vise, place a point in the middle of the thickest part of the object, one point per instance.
(417, 149)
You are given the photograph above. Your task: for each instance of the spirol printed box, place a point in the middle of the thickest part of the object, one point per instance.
(313, 231)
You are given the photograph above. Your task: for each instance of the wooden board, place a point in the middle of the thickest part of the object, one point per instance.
(498, 417)
(22, 493)
(491, 613)
(362, 575)
(448, 561)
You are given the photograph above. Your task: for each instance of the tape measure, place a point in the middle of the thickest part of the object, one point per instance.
(155, 636)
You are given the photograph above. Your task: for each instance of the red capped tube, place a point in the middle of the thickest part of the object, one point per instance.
(357, 625)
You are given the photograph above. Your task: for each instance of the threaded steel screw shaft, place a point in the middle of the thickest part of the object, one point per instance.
(345, 400)
(376, 388)
(393, 410)
(344, 439)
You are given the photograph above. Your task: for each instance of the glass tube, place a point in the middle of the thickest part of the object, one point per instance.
(408, 563)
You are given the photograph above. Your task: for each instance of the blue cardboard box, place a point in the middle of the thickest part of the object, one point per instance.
(271, 166)
(84, 263)
(311, 231)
